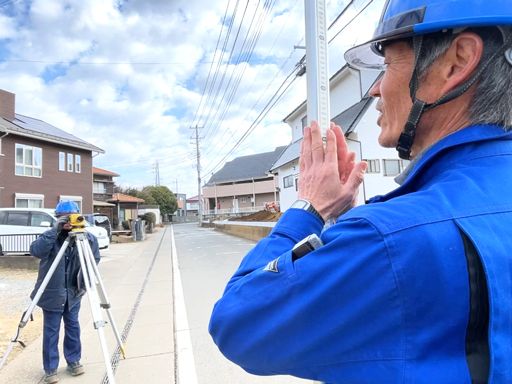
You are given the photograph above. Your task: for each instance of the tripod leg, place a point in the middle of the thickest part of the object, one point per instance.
(28, 312)
(104, 302)
(92, 294)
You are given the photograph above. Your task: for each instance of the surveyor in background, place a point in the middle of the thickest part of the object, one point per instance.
(61, 298)
(414, 287)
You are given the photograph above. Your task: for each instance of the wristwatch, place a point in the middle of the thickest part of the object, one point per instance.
(307, 206)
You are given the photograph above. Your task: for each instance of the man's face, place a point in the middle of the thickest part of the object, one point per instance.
(392, 89)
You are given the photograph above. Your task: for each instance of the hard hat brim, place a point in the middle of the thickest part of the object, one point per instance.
(364, 56)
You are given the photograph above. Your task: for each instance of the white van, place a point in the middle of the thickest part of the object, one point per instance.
(20, 226)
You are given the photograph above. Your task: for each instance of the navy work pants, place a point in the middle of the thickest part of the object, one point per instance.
(72, 345)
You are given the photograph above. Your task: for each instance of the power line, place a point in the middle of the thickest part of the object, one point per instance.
(258, 119)
(267, 108)
(219, 116)
(351, 20)
(223, 76)
(213, 60)
(72, 62)
(221, 58)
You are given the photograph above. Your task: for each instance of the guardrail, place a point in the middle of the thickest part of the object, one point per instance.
(16, 244)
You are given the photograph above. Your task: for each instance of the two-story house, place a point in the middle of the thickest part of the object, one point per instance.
(41, 164)
(354, 110)
(103, 191)
(244, 184)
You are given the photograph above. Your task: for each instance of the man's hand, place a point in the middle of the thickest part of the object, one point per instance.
(329, 177)
(63, 224)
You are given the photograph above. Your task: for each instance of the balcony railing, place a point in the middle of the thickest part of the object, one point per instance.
(228, 211)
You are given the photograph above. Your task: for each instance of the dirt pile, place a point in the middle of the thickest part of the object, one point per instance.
(259, 216)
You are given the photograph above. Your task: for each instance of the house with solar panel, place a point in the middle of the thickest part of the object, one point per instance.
(41, 164)
(354, 111)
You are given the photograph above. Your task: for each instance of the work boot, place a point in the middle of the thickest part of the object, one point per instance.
(51, 377)
(75, 368)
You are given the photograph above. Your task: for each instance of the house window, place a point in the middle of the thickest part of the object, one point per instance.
(70, 162)
(26, 200)
(62, 161)
(29, 161)
(76, 199)
(296, 184)
(288, 181)
(391, 167)
(78, 165)
(304, 122)
(404, 164)
(373, 166)
(99, 187)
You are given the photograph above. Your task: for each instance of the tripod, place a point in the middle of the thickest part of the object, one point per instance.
(94, 288)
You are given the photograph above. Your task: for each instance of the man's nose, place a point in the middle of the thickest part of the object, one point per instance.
(375, 89)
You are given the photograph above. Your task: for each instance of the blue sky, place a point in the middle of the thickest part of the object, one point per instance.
(131, 76)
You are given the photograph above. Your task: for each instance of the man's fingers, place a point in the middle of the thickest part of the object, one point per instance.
(356, 176)
(330, 149)
(317, 145)
(305, 150)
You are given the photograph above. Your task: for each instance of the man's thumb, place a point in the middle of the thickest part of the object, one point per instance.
(356, 177)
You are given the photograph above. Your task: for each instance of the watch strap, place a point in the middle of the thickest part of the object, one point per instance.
(307, 206)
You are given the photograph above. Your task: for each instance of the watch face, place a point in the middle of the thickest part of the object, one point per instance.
(301, 204)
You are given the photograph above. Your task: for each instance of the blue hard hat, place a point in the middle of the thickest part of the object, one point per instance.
(66, 207)
(406, 18)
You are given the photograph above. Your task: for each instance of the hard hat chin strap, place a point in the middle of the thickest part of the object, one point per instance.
(406, 139)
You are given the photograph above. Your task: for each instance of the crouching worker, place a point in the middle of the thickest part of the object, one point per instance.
(61, 298)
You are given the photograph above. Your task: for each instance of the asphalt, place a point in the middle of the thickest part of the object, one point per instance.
(138, 279)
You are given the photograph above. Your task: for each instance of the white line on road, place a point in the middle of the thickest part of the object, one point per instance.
(185, 364)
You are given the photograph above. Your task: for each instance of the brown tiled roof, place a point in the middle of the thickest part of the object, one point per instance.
(122, 198)
(101, 171)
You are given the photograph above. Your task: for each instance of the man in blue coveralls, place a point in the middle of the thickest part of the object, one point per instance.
(416, 286)
(61, 298)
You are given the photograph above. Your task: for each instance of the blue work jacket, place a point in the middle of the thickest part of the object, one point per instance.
(386, 299)
(66, 284)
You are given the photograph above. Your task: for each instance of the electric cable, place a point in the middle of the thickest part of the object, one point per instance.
(254, 124)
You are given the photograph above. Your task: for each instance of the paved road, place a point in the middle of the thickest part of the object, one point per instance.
(206, 261)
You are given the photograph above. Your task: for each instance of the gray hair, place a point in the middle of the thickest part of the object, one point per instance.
(492, 102)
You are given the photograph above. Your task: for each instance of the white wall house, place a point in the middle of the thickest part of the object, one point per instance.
(354, 111)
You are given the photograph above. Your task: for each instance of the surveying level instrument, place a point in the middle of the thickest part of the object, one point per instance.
(317, 64)
(77, 221)
(94, 287)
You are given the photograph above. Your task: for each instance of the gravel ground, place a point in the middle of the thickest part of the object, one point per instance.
(15, 288)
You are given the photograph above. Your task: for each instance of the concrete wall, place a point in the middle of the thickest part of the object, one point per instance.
(246, 231)
(19, 262)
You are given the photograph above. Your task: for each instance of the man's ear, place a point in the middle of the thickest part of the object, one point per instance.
(461, 60)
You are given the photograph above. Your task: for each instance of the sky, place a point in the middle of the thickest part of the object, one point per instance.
(135, 77)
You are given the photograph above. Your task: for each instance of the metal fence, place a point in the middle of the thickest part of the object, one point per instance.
(16, 244)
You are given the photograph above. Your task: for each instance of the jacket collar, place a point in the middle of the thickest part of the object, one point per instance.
(474, 134)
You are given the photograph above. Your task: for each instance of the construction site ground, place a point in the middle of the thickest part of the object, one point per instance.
(259, 216)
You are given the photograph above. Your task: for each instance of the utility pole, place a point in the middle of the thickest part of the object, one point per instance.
(317, 64)
(157, 174)
(199, 198)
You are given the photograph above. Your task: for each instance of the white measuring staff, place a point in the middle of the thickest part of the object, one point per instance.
(317, 64)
